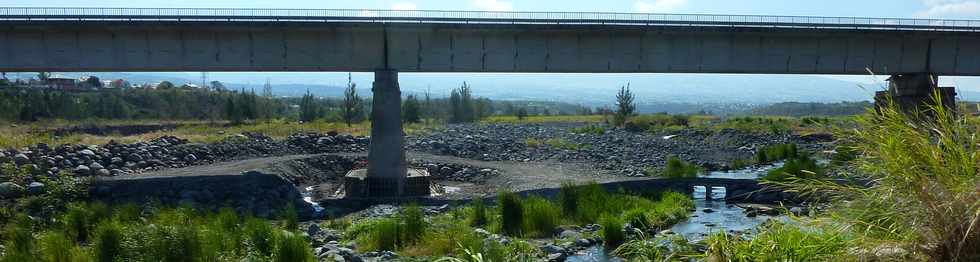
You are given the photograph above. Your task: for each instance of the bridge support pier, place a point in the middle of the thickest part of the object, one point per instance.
(914, 91)
(707, 192)
(387, 174)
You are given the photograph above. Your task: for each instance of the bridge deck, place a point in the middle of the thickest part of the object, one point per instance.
(38, 14)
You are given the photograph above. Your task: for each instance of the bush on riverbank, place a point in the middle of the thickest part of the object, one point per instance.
(800, 167)
(773, 153)
(163, 234)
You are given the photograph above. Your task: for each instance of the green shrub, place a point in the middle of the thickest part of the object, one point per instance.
(677, 168)
(612, 231)
(568, 198)
(19, 240)
(541, 217)
(385, 235)
(414, 224)
(56, 247)
(637, 218)
(108, 241)
(77, 223)
(291, 247)
(291, 217)
(800, 166)
(511, 213)
(478, 216)
(775, 153)
(260, 236)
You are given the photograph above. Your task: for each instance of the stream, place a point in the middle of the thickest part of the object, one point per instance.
(710, 216)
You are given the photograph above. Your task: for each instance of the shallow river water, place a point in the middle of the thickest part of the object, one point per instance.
(710, 216)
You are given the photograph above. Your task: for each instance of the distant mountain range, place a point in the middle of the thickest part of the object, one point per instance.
(586, 89)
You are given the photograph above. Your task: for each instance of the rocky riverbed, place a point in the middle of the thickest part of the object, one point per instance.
(628, 153)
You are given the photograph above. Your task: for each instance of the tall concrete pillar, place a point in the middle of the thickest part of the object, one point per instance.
(914, 91)
(387, 168)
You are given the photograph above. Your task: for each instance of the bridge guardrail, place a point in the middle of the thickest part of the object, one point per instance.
(446, 16)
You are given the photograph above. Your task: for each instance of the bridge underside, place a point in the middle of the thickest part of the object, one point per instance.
(434, 47)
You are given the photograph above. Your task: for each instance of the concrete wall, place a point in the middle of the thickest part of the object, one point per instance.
(283, 46)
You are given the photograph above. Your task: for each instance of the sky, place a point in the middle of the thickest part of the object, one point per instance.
(944, 9)
(966, 9)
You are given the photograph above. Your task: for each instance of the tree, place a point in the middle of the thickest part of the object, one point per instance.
(43, 76)
(309, 110)
(521, 113)
(353, 108)
(267, 89)
(232, 110)
(625, 105)
(165, 85)
(93, 82)
(461, 105)
(411, 110)
(218, 86)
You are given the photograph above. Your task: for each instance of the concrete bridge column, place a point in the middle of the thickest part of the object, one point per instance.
(707, 192)
(387, 167)
(914, 91)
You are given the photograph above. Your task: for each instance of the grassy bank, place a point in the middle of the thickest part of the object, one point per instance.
(523, 218)
(17, 136)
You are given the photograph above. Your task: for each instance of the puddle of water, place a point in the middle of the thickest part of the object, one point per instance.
(750, 173)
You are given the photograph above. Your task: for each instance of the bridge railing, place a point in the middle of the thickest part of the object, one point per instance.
(444, 16)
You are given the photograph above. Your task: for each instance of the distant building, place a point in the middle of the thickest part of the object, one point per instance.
(63, 83)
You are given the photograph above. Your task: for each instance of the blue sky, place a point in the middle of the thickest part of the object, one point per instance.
(969, 9)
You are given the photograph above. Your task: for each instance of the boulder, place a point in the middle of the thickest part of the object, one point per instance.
(82, 170)
(11, 190)
(35, 188)
(21, 159)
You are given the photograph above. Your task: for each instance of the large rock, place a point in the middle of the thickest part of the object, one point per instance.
(36, 188)
(82, 170)
(21, 159)
(11, 190)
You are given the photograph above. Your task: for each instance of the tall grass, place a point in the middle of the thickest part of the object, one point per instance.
(390, 233)
(541, 217)
(924, 197)
(779, 242)
(511, 213)
(613, 234)
(164, 234)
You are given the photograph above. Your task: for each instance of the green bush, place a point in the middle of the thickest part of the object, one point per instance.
(291, 217)
(291, 247)
(568, 198)
(800, 166)
(541, 217)
(108, 241)
(637, 218)
(56, 247)
(774, 153)
(677, 168)
(260, 236)
(19, 240)
(612, 231)
(414, 224)
(511, 213)
(478, 216)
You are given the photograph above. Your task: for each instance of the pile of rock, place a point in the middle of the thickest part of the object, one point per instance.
(457, 172)
(328, 143)
(615, 149)
(169, 152)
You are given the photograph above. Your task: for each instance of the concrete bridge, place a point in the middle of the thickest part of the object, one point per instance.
(913, 51)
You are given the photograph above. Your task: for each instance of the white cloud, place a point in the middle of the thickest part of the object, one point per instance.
(404, 6)
(493, 5)
(658, 6)
(950, 9)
